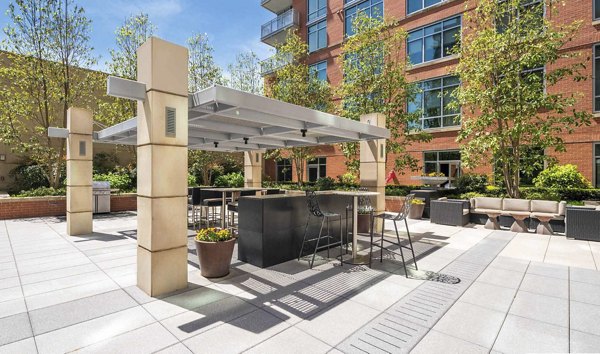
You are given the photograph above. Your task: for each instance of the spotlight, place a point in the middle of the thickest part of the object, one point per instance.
(216, 144)
(303, 131)
(246, 141)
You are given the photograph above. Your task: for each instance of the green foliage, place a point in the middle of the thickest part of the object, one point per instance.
(565, 176)
(45, 43)
(203, 71)
(233, 180)
(213, 235)
(469, 195)
(507, 108)
(191, 179)
(374, 69)
(471, 182)
(41, 192)
(245, 73)
(206, 165)
(399, 190)
(28, 177)
(348, 178)
(325, 184)
(120, 180)
(105, 162)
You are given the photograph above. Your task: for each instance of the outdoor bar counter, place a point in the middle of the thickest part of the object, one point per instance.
(271, 227)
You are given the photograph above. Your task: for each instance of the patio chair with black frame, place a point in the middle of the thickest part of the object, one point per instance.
(402, 215)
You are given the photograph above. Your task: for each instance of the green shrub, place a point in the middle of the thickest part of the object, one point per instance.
(399, 190)
(28, 177)
(41, 192)
(325, 184)
(231, 180)
(471, 182)
(565, 176)
(347, 178)
(567, 194)
(470, 195)
(105, 162)
(191, 179)
(120, 180)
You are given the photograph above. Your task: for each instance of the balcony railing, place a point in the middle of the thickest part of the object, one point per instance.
(274, 63)
(276, 6)
(283, 21)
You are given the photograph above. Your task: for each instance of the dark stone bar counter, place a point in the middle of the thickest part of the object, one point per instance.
(271, 227)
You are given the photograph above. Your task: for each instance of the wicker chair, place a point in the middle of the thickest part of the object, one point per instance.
(583, 223)
(450, 212)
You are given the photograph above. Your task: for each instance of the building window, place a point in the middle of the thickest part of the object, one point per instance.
(597, 78)
(433, 101)
(372, 8)
(284, 170)
(319, 70)
(317, 9)
(317, 36)
(433, 41)
(446, 162)
(597, 165)
(317, 168)
(416, 5)
(596, 9)
(514, 14)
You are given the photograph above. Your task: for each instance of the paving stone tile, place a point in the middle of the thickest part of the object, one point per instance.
(542, 308)
(584, 342)
(56, 274)
(10, 293)
(490, 296)
(545, 286)
(14, 328)
(549, 270)
(508, 263)
(62, 283)
(69, 294)
(381, 295)
(62, 315)
(585, 275)
(8, 273)
(194, 298)
(247, 330)
(584, 292)
(12, 307)
(9, 283)
(437, 342)
(66, 263)
(472, 323)
(178, 348)
(585, 318)
(138, 295)
(146, 339)
(501, 277)
(293, 340)
(523, 335)
(90, 332)
(24, 346)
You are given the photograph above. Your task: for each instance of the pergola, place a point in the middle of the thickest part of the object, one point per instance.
(170, 121)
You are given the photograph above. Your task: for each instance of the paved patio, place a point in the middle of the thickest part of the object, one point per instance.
(518, 293)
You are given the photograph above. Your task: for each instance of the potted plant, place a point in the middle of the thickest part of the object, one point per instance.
(364, 219)
(416, 209)
(214, 248)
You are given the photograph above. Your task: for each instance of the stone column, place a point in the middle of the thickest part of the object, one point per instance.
(79, 172)
(372, 162)
(162, 168)
(253, 162)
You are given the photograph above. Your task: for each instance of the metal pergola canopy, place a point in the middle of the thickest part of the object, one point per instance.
(225, 119)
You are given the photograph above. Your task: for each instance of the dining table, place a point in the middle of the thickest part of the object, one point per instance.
(354, 257)
(232, 190)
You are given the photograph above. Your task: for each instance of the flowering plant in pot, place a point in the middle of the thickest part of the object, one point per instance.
(416, 209)
(364, 219)
(214, 248)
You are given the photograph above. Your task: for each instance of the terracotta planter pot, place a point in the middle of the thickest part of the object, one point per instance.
(214, 257)
(416, 211)
(364, 223)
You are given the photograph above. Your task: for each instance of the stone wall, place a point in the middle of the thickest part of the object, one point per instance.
(18, 208)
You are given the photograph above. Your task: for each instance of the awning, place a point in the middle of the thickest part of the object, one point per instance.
(225, 119)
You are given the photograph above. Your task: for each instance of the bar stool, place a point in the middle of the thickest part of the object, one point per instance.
(195, 205)
(364, 204)
(402, 215)
(232, 208)
(315, 211)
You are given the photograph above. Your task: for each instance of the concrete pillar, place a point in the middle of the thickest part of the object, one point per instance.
(162, 168)
(372, 162)
(253, 162)
(79, 172)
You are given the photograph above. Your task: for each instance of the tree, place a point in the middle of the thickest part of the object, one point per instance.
(507, 98)
(48, 49)
(375, 82)
(245, 73)
(134, 32)
(295, 83)
(203, 71)
(205, 164)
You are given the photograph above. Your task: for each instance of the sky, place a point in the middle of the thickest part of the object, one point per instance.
(233, 26)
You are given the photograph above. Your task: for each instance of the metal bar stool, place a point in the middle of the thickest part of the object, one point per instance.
(315, 211)
(364, 204)
(402, 215)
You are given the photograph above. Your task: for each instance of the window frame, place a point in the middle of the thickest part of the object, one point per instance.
(595, 163)
(595, 78)
(349, 4)
(308, 33)
(318, 163)
(423, 7)
(595, 7)
(283, 163)
(424, 36)
(314, 68)
(318, 17)
(438, 161)
(441, 117)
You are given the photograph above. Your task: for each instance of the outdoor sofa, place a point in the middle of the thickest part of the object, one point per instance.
(583, 223)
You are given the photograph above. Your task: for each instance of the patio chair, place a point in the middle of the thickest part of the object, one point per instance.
(364, 203)
(402, 215)
(315, 211)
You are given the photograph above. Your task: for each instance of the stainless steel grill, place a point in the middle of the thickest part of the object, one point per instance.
(101, 195)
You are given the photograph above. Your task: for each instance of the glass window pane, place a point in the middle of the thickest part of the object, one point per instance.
(451, 80)
(596, 9)
(433, 106)
(435, 28)
(431, 123)
(377, 11)
(452, 22)
(431, 2)
(430, 156)
(433, 47)
(415, 34)
(449, 155)
(597, 76)
(597, 105)
(430, 167)
(312, 41)
(414, 5)
(415, 105)
(415, 52)
(597, 150)
(429, 84)
(447, 99)
(450, 121)
(322, 39)
(450, 39)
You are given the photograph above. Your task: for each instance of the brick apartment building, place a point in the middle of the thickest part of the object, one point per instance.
(432, 25)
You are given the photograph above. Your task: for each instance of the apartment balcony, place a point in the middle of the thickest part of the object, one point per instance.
(276, 6)
(271, 65)
(275, 31)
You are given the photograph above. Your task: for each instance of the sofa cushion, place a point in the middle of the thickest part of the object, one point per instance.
(488, 203)
(562, 208)
(544, 206)
(509, 204)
